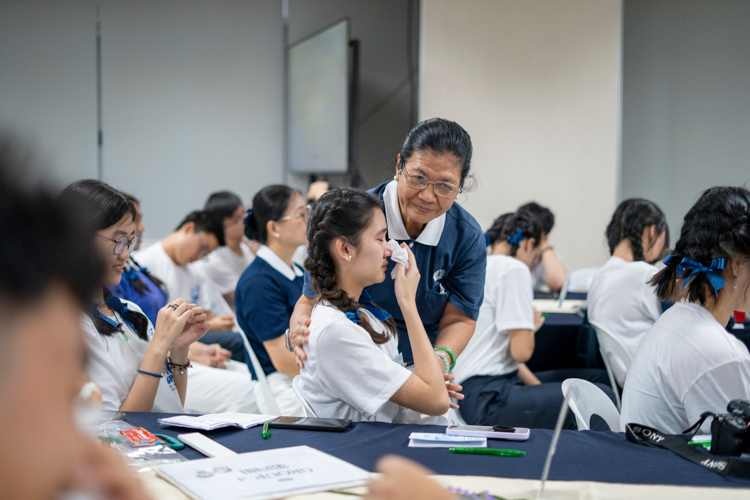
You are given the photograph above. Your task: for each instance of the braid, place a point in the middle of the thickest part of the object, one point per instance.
(340, 213)
(717, 226)
(629, 221)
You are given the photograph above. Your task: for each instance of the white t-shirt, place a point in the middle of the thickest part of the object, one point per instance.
(622, 301)
(347, 375)
(687, 363)
(223, 267)
(183, 282)
(508, 305)
(113, 363)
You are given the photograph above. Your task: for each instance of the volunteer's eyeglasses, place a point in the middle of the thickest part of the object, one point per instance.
(444, 189)
(122, 242)
(305, 215)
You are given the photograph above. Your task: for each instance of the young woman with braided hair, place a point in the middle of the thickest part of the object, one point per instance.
(687, 363)
(498, 387)
(354, 369)
(620, 297)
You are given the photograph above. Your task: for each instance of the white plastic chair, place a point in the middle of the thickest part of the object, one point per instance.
(221, 307)
(580, 279)
(309, 412)
(611, 348)
(586, 400)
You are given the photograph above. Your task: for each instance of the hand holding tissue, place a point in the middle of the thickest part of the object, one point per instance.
(399, 256)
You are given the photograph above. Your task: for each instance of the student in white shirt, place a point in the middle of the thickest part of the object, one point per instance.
(498, 387)
(224, 266)
(687, 363)
(352, 368)
(137, 366)
(547, 270)
(620, 297)
(199, 234)
(49, 270)
(217, 383)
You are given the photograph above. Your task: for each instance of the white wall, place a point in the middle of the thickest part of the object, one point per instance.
(535, 83)
(686, 104)
(48, 82)
(192, 102)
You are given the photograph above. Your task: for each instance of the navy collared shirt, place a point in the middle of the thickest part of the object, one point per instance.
(451, 256)
(264, 299)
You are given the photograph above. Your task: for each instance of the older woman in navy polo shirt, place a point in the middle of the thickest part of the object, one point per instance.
(446, 240)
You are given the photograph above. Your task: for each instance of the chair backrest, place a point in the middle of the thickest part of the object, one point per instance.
(611, 348)
(309, 412)
(222, 307)
(586, 400)
(580, 279)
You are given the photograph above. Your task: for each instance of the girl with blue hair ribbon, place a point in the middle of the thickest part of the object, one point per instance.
(688, 363)
(498, 387)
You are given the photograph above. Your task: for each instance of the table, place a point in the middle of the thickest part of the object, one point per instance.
(581, 456)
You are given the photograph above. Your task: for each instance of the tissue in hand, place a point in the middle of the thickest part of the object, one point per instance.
(400, 255)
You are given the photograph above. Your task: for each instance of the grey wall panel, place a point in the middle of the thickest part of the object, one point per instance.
(193, 102)
(48, 82)
(686, 100)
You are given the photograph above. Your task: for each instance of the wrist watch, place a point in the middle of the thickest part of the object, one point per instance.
(286, 341)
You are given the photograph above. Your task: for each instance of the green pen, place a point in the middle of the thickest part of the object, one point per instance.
(489, 451)
(266, 431)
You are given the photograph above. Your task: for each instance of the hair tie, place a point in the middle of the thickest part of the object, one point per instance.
(248, 214)
(712, 272)
(516, 238)
(668, 259)
(354, 316)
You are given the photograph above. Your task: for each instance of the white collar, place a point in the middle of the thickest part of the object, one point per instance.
(275, 262)
(432, 231)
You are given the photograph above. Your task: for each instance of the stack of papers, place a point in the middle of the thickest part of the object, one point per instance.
(217, 421)
(432, 440)
(262, 475)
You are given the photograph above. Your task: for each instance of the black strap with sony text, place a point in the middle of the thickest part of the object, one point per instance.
(731, 467)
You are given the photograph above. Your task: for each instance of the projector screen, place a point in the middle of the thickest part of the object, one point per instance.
(318, 86)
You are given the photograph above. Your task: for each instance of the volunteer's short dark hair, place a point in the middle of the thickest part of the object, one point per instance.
(524, 224)
(717, 226)
(269, 204)
(208, 222)
(43, 240)
(496, 230)
(544, 214)
(104, 206)
(442, 137)
(630, 219)
(223, 203)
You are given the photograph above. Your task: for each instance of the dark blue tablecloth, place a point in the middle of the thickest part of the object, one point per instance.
(581, 456)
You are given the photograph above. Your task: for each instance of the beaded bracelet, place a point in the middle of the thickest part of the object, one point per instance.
(453, 356)
(180, 369)
(469, 495)
(447, 363)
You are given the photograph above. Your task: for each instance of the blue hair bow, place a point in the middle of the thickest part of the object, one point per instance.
(487, 241)
(713, 272)
(516, 238)
(248, 214)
